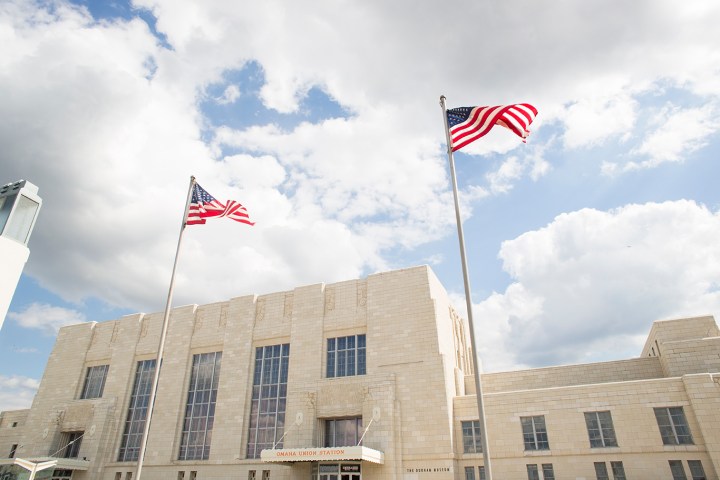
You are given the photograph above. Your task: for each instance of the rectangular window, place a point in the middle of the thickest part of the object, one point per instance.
(200, 407)
(482, 473)
(532, 472)
(600, 429)
(618, 470)
(469, 473)
(70, 444)
(534, 433)
(266, 475)
(346, 356)
(696, 470)
(251, 475)
(61, 474)
(13, 449)
(471, 438)
(673, 426)
(548, 471)
(137, 411)
(94, 382)
(181, 475)
(193, 474)
(677, 470)
(344, 432)
(269, 394)
(601, 471)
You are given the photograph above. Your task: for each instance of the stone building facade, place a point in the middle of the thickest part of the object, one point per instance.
(358, 380)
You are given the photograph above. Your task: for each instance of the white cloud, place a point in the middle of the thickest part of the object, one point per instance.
(17, 392)
(106, 122)
(593, 119)
(47, 318)
(681, 132)
(231, 93)
(591, 280)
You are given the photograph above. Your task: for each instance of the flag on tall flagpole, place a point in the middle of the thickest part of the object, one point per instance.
(204, 206)
(467, 124)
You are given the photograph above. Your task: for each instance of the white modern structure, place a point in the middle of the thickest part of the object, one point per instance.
(368, 379)
(19, 207)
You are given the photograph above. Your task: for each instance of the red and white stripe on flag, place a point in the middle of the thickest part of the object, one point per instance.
(467, 124)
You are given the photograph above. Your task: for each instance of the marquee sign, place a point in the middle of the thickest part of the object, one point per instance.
(323, 454)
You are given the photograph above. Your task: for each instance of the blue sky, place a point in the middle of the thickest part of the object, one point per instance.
(325, 123)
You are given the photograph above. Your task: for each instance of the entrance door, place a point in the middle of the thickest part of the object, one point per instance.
(339, 472)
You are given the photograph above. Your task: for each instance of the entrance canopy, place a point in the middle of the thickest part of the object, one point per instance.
(43, 463)
(331, 454)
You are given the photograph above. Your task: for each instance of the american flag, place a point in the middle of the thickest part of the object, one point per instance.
(467, 124)
(203, 206)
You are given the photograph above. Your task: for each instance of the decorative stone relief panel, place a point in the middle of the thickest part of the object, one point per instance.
(362, 296)
(260, 310)
(222, 322)
(329, 299)
(199, 320)
(288, 306)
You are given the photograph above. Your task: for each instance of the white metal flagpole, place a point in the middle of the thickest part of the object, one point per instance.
(468, 302)
(161, 346)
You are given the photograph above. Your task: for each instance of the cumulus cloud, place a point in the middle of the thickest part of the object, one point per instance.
(106, 120)
(17, 392)
(593, 281)
(46, 318)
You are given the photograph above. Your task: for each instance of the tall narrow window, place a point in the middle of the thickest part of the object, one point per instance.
(532, 472)
(472, 442)
(482, 473)
(618, 470)
(600, 429)
(269, 394)
(137, 411)
(601, 471)
(200, 407)
(548, 471)
(469, 473)
(677, 470)
(673, 426)
(696, 470)
(13, 449)
(70, 444)
(344, 432)
(346, 356)
(534, 433)
(94, 382)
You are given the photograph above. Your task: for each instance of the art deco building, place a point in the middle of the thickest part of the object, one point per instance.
(363, 379)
